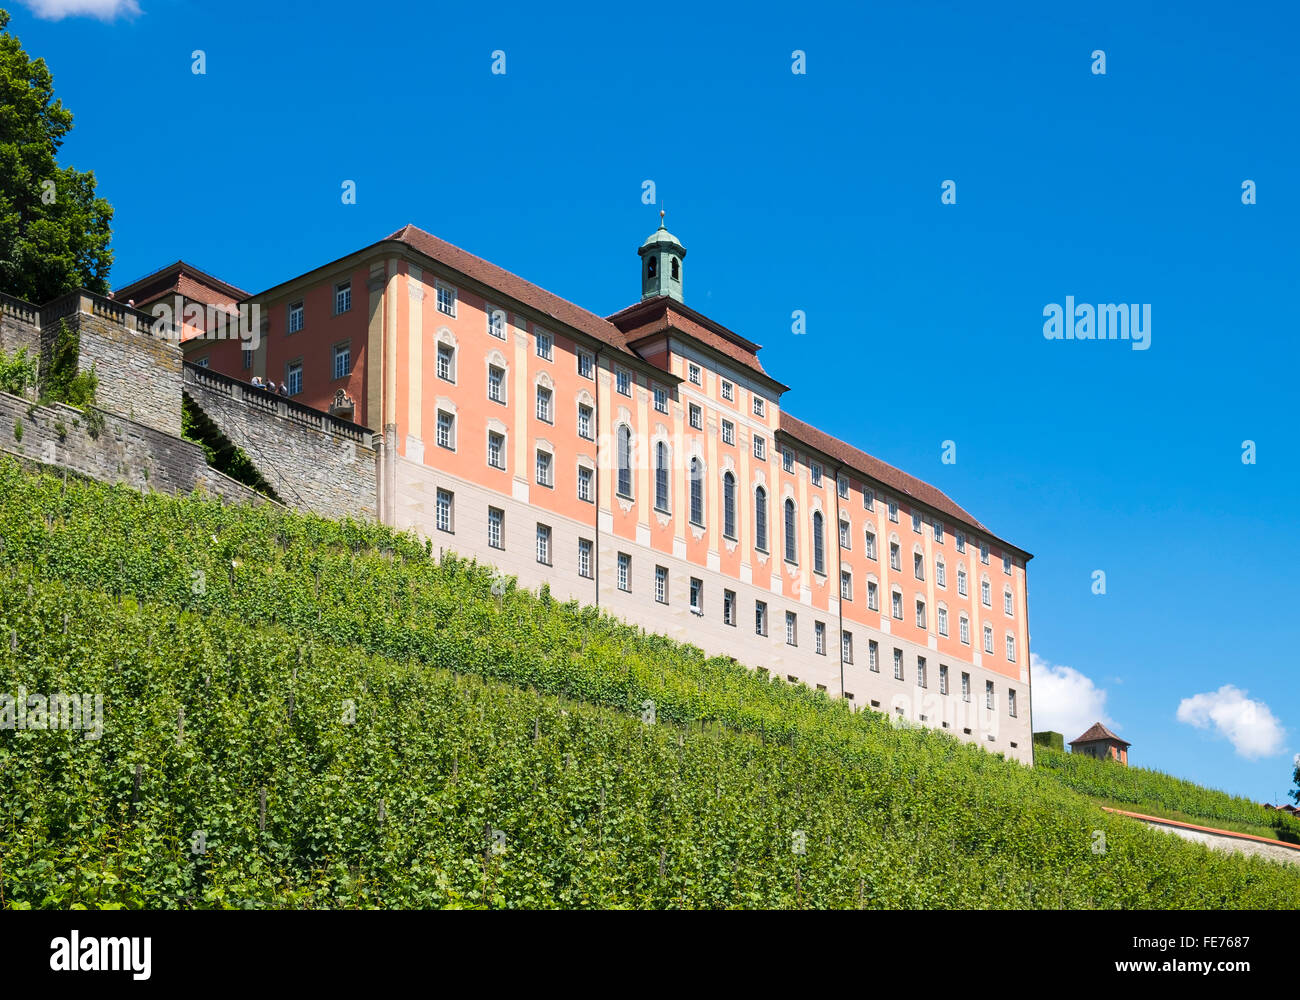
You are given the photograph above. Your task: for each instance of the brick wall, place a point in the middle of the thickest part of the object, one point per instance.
(312, 460)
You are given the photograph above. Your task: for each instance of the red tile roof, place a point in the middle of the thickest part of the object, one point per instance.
(883, 473)
(1099, 732)
(184, 279)
(514, 286)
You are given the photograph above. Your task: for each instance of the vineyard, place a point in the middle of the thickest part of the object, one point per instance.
(304, 713)
(1161, 794)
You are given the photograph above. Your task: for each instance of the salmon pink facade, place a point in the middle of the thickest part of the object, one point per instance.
(642, 462)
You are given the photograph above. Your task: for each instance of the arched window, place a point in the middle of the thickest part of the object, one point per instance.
(819, 543)
(790, 547)
(760, 519)
(697, 491)
(661, 475)
(677, 273)
(651, 266)
(625, 460)
(729, 505)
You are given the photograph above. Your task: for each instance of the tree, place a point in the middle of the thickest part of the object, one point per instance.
(54, 231)
(1295, 792)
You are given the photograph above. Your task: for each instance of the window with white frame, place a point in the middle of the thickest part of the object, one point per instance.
(544, 404)
(246, 359)
(846, 535)
(1007, 603)
(625, 572)
(728, 504)
(760, 618)
(1011, 702)
(920, 672)
(760, 447)
(496, 384)
(916, 522)
(988, 694)
(624, 486)
(622, 382)
(943, 678)
(545, 463)
(819, 542)
(446, 299)
(961, 541)
(895, 557)
(873, 596)
(729, 608)
(496, 322)
(760, 519)
(893, 511)
(586, 422)
(938, 532)
(496, 528)
(697, 491)
(986, 594)
(293, 376)
(846, 647)
(846, 585)
(940, 573)
(693, 373)
(842, 485)
(868, 499)
(965, 686)
(791, 541)
(898, 664)
(984, 552)
(545, 345)
(1011, 648)
(819, 638)
(816, 474)
(697, 596)
(342, 360)
(760, 406)
(342, 297)
(661, 399)
(870, 540)
(728, 391)
(896, 599)
(1006, 563)
(791, 629)
(728, 432)
(964, 630)
(661, 475)
(446, 430)
(873, 655)
(496, 450)
(961, 580)
(584, 557)
(787, 460)
(920, 614)
(661, 584)
(697, 417)
(446, 362)
(988, 639)
(586, 365)
(444, 507)
(918, 565)
(295, 317)
(585, 479)
(942, 619)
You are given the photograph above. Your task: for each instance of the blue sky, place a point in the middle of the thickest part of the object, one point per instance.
(821, 192)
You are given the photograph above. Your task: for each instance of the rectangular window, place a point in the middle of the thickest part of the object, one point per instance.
(622, 382)
(661, 584)
(961, 580)
(868, 499)
(920, 614)
(943, 678)
(988, 638)
(693, 373)
(661, 399)
(873, 655)
(988, 694)
(585, 480)
(870, 544)
(846, 647)
(729, 608)
(728, 432)
(544, 464)
(760, 406)
(584, 557)
(897, 605)
(1006, 603)
(446, 299)
(1011, 702)
(342, 297)
(544, 404)
(496, 322)
(940, 574)
(985, 594)
(446, 363)
(920, 672)
(893, 511)
(586, 422)
(445, 506)
(842, 485)
(938, 532)
(964, 629)
(873, 596)
(544, 544)
(961, 541)
(819, 638)
(295, 317)
(545, 345)
(943, 621)
(791, 629)
(496, 450)
(895, 557)
(342, 360)
(625, 572)
(787, 460)
(984, 552)
(918, 565)
(247, 357)
(446, 430)
(760, 447)
(816, 474)
(965, 686)
(760, 618)
(1006, 564)
(728, 391)
(697, 596)
(846, 585)
(496, 527)
(294, 378)
(496, 384)
(697, 418)
(846, 535)
(1011, 648)
(586, 365)
(898, 664)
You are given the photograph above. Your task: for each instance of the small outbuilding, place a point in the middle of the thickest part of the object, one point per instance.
(1101, 743)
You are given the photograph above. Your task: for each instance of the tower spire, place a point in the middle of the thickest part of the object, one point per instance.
(661, 263)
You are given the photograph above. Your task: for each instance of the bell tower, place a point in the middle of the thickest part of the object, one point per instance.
(661, 264)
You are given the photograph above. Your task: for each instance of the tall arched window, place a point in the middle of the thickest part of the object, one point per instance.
(819, 543)
(625, 460)
(790, 547)
(729, 505)
(760, 519)
(661, 475)
(697, 491)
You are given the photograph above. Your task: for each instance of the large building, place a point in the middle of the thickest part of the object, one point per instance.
(641, 462)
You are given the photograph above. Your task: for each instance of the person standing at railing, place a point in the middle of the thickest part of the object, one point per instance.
(257, 382)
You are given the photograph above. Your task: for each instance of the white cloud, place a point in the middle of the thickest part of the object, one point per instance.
(1065, 700)
(1248, 725)
(105, 10)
